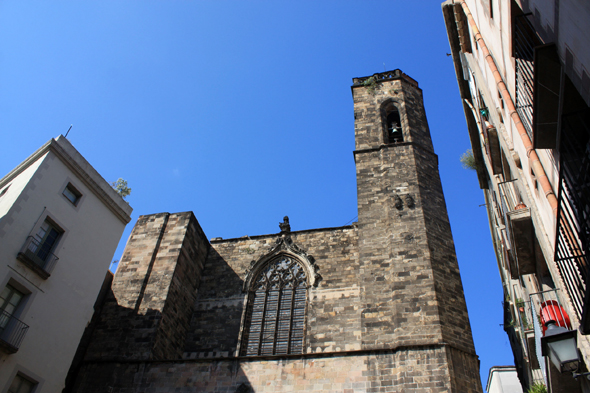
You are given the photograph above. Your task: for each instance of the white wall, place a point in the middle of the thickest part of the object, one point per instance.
(58, 308)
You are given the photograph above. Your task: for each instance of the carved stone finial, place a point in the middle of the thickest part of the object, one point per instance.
(398, 202)
(285, 227)
(409, 201)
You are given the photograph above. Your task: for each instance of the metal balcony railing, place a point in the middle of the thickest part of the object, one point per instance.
(508, 199)
(525, 315)
(530, 319)
(573, 227)
(12, 332)
(37, 257)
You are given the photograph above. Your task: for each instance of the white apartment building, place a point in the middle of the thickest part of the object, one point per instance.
(60, 223)
(523, 72)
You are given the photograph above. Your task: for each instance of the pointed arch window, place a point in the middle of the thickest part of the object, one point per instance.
(275, 313)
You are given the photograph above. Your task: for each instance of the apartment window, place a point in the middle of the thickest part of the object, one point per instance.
(45, 240)
(37, 252)
(10, 299)
(20, 384)
(275, 313)
(72, 194)
(12, 330)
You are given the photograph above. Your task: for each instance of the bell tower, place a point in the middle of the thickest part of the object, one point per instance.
(412, 296)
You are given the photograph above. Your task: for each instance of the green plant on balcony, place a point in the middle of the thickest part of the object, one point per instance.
(537, 388)
(468, 162)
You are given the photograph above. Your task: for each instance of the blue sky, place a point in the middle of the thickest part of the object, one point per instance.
(240, 111)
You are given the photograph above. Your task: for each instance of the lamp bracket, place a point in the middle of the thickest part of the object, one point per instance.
(576, 375)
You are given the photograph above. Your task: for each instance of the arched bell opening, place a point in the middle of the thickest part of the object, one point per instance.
(392, 123)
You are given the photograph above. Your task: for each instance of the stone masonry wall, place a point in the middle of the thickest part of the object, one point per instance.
(186, 244)
(452, 308)
(419, 370)
(399, 300)
(333, 314)
(146, 314)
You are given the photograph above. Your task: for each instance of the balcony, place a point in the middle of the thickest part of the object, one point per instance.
(493, 147)
(531, 318)
(37, 257)
(519, 233)
(12, 332)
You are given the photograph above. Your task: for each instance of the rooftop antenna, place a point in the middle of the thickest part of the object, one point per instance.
(69, 130)
(384, 69)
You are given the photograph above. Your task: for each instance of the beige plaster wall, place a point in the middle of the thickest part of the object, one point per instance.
(58, 308)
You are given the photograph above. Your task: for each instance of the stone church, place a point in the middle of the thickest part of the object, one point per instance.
(376, 306)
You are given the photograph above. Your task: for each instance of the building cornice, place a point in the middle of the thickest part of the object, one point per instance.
(76, 163)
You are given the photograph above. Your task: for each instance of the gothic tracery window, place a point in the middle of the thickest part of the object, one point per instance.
(275, 314)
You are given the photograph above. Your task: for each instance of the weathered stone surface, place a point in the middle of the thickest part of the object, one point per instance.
(386, 314)
(148, 311)
(419, 370)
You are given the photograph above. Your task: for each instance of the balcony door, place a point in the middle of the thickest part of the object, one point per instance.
(10, 299)
(45, 239)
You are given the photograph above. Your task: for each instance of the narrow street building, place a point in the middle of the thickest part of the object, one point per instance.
(523, 72)
(60, 223)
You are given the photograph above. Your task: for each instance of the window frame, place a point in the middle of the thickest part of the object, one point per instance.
(22, 377)
(74, 185)
(77, 195)
(15, 330)
(28, 255)
(289, 339)
(4, 302)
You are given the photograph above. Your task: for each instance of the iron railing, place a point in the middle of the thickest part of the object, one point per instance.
(509, 198)
(531, 317)
(573, 226)
(524, 315)
(37, 257)
(12, 332)
(524, 41)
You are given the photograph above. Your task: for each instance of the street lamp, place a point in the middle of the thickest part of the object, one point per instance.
(560, 344)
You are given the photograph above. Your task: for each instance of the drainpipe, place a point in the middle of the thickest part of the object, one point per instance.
(538, 169)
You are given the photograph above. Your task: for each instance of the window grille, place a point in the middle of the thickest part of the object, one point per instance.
(275, 314)
(524, 41)
(573, 229)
